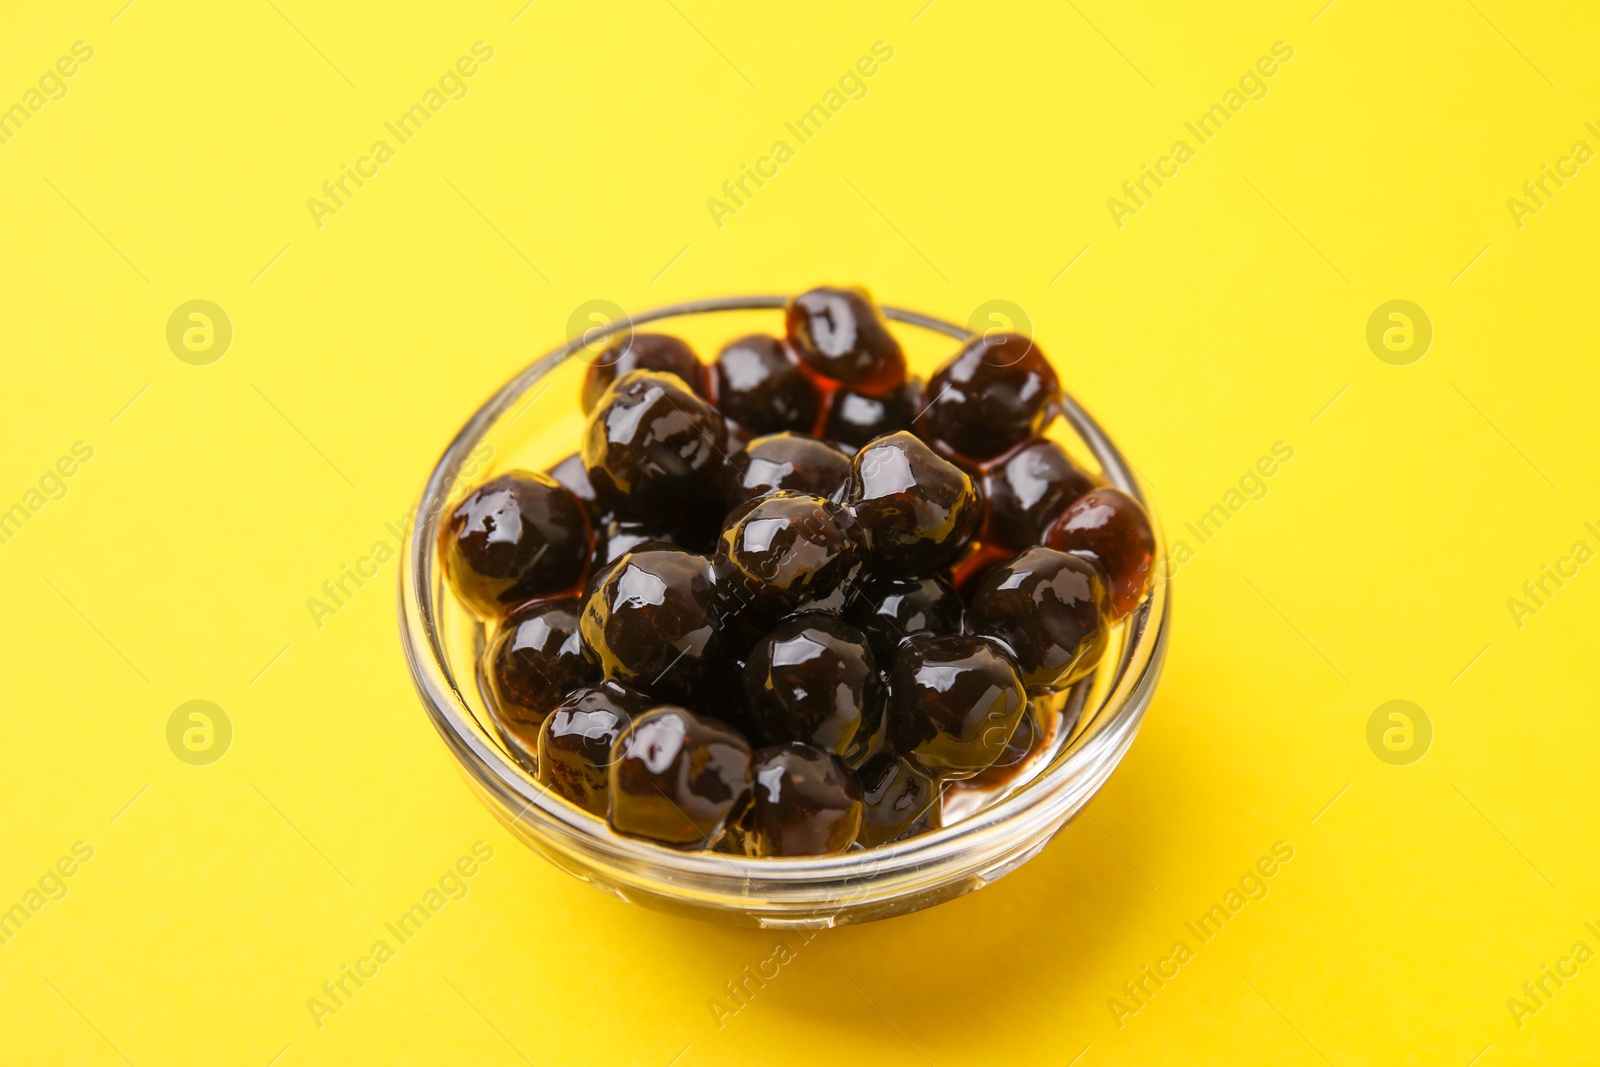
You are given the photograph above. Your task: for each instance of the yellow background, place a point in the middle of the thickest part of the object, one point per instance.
(1227, 315)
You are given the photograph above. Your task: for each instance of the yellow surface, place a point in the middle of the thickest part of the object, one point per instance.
(1227, 314)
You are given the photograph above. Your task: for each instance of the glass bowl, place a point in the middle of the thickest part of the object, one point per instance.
(532, 423)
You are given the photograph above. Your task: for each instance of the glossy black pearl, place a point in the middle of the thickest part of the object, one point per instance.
(841, 335)
(1051, 609)
(1028, 741)
(1025, 490)
(642, 351)
(649, 623)
(916, 509)
(760, 385)
(954, 703)
(653, 448)
(1113, 529)
(787, 551)
(807, 803)
(814, 679)
(855, 418)
(897, 799)
(576, 738)
(787, 461)
(677, 778)
(515, 537)
(535, 659)
(615, 538)
(994, 394)
(891, 610)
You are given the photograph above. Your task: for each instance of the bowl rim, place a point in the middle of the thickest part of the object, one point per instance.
(1040, 805)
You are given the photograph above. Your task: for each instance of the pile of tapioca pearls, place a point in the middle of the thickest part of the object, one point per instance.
(774, 603)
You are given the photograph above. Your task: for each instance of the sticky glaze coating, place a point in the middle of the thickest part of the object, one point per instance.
(534, 661)
(999, 391)
(575, 742)
(1027, 488)
(1050, 609)
(570, 473)
(786, 461)
(652, 448)
(677, 778)
(889, 611)
(840, 334)
(814, 679)
(897, 800)
(1111, 528)
(916, 509)
(788, 551)
(854, 418)
(956, 701)
(649, 623)
(806, 803)
(642, 351)
(760, 385)
(517, 536)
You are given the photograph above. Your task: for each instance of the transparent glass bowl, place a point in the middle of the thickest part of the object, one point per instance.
(533, 422)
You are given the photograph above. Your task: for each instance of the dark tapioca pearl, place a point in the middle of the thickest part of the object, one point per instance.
(677, 778)
(570, 473)
(615, 538)
(814, 679)
(954, 703)
(807, 803)
(841, 335)
(649, 623)
(535, 659)
(517, 536)
(898, 801)
(642, 351)
(891, 610)
(1029, 739)
(653, 448)
(760, 385)
(785, 552)
(916, 509)
(1027, 488)
(576, 738)
(1110, 527)
(994, 394)
(855, 418)
(1051, 609)
(786, 461)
